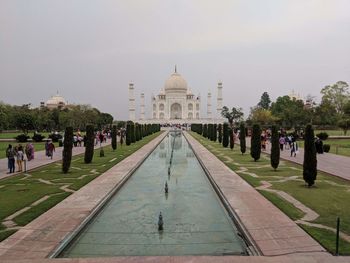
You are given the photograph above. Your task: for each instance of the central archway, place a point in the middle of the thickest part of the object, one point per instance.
(175, 111)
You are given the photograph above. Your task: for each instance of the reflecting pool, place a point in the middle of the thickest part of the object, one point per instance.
(195, 222)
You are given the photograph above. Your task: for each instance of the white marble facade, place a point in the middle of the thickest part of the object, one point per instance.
(175, 101)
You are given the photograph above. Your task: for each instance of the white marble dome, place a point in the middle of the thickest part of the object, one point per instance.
(56, 101)
(175, 83)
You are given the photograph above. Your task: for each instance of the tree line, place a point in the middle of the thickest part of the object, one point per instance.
(25, 118)
(332, 112)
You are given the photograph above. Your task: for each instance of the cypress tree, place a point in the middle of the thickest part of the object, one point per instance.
(114, 137)
(275, 148)
(205, 130)
(232, 141)
(255, 147)
(210, 130)
(137, 134)
(140, 132)
(89, 144)
(310, 159)
(128, 134)
(215, 133)
(225, 135)
(132, 133)
(242, 142)
(220, 133)
(67, 149)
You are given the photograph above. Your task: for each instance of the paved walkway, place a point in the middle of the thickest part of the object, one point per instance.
(41, 159)
(337, 165)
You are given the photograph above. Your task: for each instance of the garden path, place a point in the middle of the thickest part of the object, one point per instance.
(41, 159)
(330, 163)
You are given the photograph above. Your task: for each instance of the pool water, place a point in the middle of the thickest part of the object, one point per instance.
(195, 222)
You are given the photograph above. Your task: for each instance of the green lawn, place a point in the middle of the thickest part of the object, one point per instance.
(12, 135)
(329, 198)
(338, 146)
(38, 146)
(332, 132)
(20, 191)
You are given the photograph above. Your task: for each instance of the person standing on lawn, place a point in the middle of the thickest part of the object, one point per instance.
(10, 154)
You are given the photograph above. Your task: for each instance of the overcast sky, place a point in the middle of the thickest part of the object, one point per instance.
(90, 50)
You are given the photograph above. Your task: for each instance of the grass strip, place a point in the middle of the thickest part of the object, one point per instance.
(327, 239)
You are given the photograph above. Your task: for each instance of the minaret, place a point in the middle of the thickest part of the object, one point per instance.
(209, 106)
(131, 102)
(219, 100)
(142, 107)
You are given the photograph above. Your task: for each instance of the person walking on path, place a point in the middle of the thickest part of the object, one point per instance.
(51, 149)
(281, 141)
(293, 148)
(10, 154)
(20, 157)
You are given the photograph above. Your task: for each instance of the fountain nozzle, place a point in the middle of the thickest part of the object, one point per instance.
(160, 222)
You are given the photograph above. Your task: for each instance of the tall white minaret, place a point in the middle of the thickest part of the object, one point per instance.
(219, 100)
(142, 106)
(131, 102)
(209, 116)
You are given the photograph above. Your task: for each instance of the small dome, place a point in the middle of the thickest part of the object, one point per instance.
(189, 91)
(176, 83)
(56, 100)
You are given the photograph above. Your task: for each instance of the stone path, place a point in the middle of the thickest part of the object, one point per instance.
(41, 159)
(333, 164)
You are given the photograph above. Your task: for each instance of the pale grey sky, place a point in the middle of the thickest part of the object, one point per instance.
(90, 50)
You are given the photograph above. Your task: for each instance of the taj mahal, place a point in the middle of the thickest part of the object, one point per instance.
(175, 103)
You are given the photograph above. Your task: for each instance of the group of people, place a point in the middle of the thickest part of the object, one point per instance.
(288, 142)
(17, 154)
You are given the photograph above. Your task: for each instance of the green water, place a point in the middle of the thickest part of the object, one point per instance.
(195, 222)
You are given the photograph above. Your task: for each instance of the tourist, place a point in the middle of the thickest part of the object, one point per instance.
(10, 154)
(293, 148)
(20, 157)
(51, 149)
(47, 148)
(281, 141)
(29, 151)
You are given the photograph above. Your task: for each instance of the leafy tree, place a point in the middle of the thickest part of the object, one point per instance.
(114, 137)
(275, 148)
(242, 142)
(225, 136)
(262, 116)
(337, 95)
(344, 124)
(265, 101)
(255, 147)
(220, 133)
(325, 114)
(89, 144)
(232, 116)
(310, 159)
(67, 149)
(291, 112)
